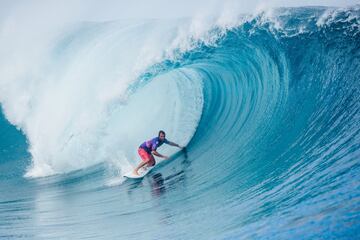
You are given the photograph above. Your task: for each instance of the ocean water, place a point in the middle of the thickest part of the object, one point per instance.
(267, 104)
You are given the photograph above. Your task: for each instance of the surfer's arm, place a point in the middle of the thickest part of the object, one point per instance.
(158, 154)
(174, 144)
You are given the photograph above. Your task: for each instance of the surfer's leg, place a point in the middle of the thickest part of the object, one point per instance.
(145, 157)
(138, 167)
(151, 162)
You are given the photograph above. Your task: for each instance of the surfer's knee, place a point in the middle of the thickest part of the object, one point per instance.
(151, 163)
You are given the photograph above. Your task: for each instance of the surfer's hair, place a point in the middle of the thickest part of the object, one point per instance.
(161, 132)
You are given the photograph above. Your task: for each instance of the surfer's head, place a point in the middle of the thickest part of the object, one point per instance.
(161, 135)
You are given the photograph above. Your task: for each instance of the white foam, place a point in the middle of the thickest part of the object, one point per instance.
(69, 98)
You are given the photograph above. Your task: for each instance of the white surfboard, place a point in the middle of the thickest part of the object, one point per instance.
(142, 172)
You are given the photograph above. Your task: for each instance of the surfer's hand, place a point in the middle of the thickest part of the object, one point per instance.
(179, 146)
(166, 158)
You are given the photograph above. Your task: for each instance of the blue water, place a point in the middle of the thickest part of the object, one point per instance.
(273, 145)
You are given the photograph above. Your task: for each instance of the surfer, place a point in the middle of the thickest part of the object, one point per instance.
(147, 150)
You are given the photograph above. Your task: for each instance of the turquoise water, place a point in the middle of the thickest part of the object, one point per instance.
(269, 110)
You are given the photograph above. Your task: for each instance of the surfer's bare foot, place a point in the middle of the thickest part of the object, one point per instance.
(135, 172)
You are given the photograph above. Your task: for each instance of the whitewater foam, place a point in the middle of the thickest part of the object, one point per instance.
(64, 99)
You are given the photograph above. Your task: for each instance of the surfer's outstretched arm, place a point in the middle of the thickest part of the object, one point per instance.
(174, 144)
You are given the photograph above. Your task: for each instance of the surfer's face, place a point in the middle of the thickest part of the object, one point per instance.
(162, 136)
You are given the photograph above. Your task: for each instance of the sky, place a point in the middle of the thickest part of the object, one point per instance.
(102, 10)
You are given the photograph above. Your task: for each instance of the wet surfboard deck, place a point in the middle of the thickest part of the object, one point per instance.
(142, 172)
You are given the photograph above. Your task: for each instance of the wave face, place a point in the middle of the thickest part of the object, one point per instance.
(268, 106)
